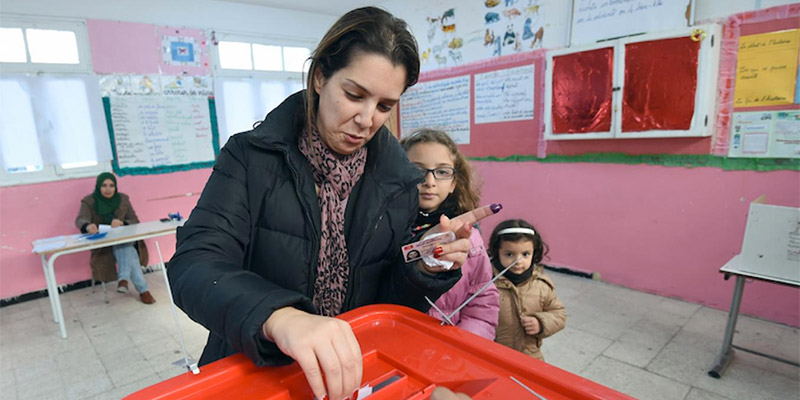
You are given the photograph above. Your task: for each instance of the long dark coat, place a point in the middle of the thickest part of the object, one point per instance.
(251, 244)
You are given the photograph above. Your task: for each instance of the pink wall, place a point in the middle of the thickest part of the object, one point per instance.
(662, 230)
(656, 229)
(31, 212)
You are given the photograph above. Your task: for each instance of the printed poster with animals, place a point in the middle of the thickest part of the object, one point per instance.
(453, 33)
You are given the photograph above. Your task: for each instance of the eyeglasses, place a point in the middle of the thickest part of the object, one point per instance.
(439, 173)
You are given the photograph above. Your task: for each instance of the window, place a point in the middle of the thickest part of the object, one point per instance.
(259, 55)
(253, 75)
(43, 46)
(51, 117)
(241, 102)
(648, 86)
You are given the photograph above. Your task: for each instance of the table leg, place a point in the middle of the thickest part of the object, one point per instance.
(56, 298)
(726, 354)
(50, 290)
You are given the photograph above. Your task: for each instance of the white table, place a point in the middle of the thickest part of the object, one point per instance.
(735, 267)
(51, 248)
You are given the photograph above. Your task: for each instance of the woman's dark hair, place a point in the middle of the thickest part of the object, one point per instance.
(468, 191)
(540, 248)
(369, 30)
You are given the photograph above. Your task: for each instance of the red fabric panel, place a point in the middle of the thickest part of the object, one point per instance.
(582, 86)
(660, 84)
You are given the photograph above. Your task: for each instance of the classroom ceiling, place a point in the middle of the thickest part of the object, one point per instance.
(327, 7)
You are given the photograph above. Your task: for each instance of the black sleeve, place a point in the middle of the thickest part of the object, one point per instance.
(207, 275)
(405, 284)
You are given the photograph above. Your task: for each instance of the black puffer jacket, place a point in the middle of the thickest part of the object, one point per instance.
(251, 244)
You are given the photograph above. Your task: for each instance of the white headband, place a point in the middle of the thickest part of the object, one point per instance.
(527, 231)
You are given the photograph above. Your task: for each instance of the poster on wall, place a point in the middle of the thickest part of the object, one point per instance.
(129, 84)
(453, 33)
(766, 69)
(761, 134)
(596, 20)
(441, 104)
(504, 95)
(158, 131)
(185, 85)
(180, 51)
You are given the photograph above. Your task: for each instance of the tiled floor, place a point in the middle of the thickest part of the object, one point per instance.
(647, 346)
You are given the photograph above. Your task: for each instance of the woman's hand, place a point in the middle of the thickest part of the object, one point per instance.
(455, 251)
(468, 218)
(531, 325)
(461, 225)
(91, 228)
(116, 222)
(322, 346)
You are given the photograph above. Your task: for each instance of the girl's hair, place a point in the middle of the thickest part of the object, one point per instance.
(540, 248)
(468, 191)
(369, 30)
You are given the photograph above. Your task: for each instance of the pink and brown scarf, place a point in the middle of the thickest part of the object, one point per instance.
(335, 177)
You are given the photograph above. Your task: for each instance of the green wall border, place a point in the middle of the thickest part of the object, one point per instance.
(666, 160)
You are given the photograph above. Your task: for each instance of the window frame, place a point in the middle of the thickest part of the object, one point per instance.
(703, 119)
(50, 172)
(78, 27)
(262, 40)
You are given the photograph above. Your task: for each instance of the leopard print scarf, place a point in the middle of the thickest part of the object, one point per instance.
(335, 177)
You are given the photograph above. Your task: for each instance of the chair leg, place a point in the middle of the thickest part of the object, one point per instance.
(105, 293)
(92, 284)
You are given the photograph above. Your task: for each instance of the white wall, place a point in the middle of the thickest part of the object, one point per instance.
(203, 14)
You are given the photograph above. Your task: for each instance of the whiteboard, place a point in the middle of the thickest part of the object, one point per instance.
(504, 95)
(771, 245)
(441, 104)
(594, 20)
(160, 133)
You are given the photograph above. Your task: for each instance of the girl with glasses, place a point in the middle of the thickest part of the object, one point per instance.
(448, 188)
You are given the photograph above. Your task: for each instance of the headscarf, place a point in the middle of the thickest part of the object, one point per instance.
(335, 176)
(105, 207)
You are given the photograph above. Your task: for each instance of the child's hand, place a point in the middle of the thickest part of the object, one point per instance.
(116, 222)
(531, 325)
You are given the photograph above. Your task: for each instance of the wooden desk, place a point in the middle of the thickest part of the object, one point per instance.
(51, 248)
(734, 267)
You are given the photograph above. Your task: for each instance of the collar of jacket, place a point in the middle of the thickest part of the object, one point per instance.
(503, 283)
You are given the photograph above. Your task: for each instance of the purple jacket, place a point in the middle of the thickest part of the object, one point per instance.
(480, 315)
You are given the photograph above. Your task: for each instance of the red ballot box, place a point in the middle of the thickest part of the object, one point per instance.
(406, 355)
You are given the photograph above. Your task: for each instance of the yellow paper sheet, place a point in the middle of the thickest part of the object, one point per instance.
(766, 69)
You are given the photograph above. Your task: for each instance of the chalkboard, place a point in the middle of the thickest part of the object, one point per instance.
(771, 245)
(157, 134)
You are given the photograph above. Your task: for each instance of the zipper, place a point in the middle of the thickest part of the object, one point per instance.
(309, 222)
(348, 303)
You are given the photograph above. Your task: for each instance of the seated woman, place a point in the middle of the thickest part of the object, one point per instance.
(107, 206)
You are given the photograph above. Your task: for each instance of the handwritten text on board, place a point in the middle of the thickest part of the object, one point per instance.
(504, 95)
(151, 131)
(766, 69)
(442, 104)
(595, 20)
